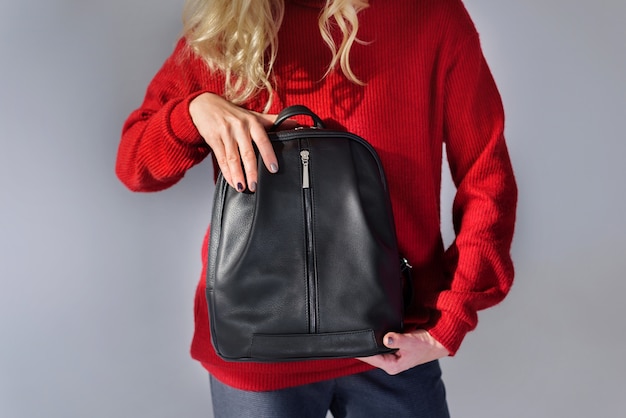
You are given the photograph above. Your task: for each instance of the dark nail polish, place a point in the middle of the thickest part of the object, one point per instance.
(239, 187)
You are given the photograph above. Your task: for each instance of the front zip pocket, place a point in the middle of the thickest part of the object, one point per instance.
(311, 274)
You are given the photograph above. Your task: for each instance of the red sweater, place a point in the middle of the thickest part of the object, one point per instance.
(428, 86)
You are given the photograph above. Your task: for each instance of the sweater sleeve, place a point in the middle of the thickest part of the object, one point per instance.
(159, 140)
(477, 265)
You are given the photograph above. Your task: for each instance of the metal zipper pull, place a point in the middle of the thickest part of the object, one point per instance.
(304, 156)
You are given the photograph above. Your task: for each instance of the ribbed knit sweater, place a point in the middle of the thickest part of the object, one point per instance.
(427, 86)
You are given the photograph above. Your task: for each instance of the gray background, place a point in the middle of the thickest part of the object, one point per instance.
(96, 283)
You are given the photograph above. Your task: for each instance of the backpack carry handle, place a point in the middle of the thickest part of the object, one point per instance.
(296, 110)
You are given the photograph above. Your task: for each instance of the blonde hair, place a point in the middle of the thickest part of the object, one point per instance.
(240, 39)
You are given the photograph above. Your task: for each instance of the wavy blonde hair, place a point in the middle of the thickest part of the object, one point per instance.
(240, 39)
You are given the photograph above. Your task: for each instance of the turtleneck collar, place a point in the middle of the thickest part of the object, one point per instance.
(318, 4)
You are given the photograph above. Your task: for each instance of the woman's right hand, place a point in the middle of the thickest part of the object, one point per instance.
(230, 131)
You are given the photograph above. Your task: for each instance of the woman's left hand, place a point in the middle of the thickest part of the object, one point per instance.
(414, 348)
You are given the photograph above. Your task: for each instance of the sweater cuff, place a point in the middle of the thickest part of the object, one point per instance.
(181, 124)
(449, 331)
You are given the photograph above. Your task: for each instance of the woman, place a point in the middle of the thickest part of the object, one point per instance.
(407, 75)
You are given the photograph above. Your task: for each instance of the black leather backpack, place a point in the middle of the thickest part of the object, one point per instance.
(307, 267)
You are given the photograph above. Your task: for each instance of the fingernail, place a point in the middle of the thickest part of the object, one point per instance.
(239, 187)
(273, 168)
(253, 186)
(389, 341)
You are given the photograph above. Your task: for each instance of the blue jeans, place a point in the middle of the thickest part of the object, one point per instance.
(415, 393)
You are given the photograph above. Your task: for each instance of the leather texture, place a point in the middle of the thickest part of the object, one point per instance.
(308, 265)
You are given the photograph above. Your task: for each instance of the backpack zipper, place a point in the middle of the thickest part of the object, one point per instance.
(304, 157)
(308, 227)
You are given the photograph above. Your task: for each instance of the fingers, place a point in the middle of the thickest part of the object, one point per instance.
(264, 144)
(240, 155)
(232, 132)
(393, 340)
(390, 363)
(413, 349)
